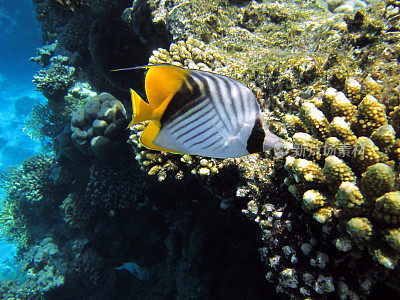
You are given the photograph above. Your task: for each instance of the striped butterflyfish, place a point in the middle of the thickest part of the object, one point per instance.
(200, 113)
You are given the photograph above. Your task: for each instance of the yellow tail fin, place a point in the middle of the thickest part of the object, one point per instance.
(141, 110)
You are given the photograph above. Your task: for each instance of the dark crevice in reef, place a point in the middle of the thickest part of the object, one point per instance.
(184, 244)
(98, 40)
(110, 51)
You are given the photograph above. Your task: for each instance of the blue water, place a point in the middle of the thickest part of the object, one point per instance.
(19, 35)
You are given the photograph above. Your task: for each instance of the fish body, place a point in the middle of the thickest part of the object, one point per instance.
(200, 113)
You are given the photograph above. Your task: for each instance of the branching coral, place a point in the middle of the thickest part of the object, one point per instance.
(49, 120)
(28, 185)
(44, 54)
(55, 81)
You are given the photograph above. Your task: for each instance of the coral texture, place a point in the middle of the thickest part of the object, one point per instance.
(324, 218)
(55, 81)
(98, 128)
(350, 187)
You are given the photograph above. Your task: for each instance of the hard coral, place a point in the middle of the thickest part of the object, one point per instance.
(357, 197)
(192, 54)
(345, 6)
(29, 185)
(163, 164)
(55, 81)
(49, 120)
(99, 127)
(44, 54)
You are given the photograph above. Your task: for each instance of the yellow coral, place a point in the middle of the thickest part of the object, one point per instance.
(337, 105)
(353, 90)
(336, 171)
(313, 199)
(392, 237)
(305, 144)
(371, 115)
(387, 208)
(307, 171)
(315, 120)
(350, 198)
(384, 137)
(378, 180)
(324, 215)
(371, 87)
(294, 124)
(366, 153)
(340, 129)
(360, 229)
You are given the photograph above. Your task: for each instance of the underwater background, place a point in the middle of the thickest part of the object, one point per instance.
(88, 212)
(21, 31)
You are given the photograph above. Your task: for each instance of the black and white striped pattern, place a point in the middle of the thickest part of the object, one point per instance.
(216, 119)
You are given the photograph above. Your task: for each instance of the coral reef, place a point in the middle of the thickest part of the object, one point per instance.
(98, 128)
(50, 119)
(345, 6)
(162, 164)
(55, 81)
(25, 186)
(157, 226)
(44, 54)
(350, 187)
(193, 54)
(324, 218)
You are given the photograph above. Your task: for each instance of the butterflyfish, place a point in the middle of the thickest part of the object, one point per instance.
(200, 113)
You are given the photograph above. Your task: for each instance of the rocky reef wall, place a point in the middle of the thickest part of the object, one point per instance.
(103, 216)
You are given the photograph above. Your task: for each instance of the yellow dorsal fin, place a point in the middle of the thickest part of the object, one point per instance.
(162, 82)
(141, 110)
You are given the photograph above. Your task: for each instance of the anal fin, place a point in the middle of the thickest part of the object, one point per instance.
(149, 135)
